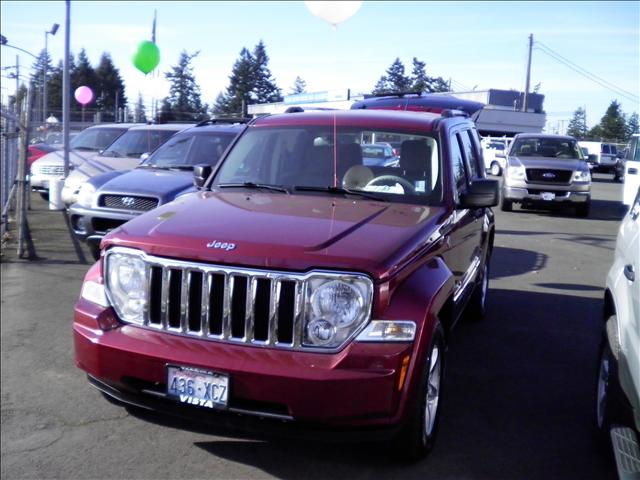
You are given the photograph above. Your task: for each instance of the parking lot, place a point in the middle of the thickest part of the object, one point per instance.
(518, 393)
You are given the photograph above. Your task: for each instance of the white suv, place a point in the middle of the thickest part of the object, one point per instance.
(618, 383)
(631, 170)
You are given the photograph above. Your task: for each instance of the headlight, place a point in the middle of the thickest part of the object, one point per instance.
(335, 309)
(582, 176)
(125, 275)
(516, 172)
(85, 195)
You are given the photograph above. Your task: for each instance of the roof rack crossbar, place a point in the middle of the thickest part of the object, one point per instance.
(226, 120)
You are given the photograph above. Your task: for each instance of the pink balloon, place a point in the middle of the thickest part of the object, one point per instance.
(83, 95)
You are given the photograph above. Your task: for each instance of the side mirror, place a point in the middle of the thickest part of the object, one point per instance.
(144, 156)
(482, 192)
(200, 175)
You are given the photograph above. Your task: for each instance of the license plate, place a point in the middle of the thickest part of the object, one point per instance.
(547, 196)
(197, 387)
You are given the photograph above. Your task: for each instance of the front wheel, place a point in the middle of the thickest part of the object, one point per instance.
(417, 437)
(477, 307)
(582, 209)
(506, 205)
(606, 387)
(495, 169)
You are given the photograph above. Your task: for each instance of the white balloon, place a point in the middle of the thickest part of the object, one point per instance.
(334, 12)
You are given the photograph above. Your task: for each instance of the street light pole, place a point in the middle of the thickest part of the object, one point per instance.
(45, 105)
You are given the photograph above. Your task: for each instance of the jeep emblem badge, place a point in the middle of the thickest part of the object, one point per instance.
(548, 175)
(221, 245)
(128, 201)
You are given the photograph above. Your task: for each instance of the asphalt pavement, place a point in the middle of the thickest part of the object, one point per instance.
(518, 398)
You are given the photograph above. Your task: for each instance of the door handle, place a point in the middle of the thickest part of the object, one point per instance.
(629, 273)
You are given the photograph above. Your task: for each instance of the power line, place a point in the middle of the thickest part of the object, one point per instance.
(585, 70)
(585, 73)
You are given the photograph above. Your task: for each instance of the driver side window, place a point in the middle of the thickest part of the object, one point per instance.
(457, 164)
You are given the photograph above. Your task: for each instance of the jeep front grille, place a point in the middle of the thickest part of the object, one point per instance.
(542, 175)
(128, 202)
(231, 305)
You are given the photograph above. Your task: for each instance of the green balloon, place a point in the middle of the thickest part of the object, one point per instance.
(147, 57)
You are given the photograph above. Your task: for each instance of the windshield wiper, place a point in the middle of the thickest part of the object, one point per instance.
(340, 190)
(275, 188)
(88, 149)
(179, 167)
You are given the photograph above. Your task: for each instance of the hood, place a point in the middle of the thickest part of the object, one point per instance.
(97, 165)
(551, 163)
(76, 157)
(162, 184)
(284, 232)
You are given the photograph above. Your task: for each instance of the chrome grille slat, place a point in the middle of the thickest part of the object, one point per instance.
(147, 293)
(226, 306)
(204, 302)
(249, 313)
(274, 303)
(164, 302)
(298, 315)
(184, 301)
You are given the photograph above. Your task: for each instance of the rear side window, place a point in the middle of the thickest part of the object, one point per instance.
(605, 149)
(457, 164)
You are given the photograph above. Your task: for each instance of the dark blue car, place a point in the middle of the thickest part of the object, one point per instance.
(107, 201)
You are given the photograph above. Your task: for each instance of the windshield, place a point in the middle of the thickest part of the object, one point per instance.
(546, 147)
(189, 149)
(95, 139)
(136, 142)
(326, 161)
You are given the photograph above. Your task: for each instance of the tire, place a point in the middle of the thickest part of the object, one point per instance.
(495, 169)
(605, 393)
(417, 436)
(582, 209)
(506, 205)
(44, 196)
(477, 307)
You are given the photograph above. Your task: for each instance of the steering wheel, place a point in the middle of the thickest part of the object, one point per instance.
(408, 188)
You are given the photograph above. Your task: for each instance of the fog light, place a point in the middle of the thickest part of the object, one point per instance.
(321, 332)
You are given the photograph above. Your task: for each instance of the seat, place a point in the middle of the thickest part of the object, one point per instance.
(317, 167)
(415, 156)
(349, 155)
(547, 151)
(524, 150)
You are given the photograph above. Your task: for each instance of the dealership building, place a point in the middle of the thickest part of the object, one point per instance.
(502, 113)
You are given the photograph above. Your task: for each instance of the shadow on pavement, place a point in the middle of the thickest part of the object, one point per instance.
(510, 262)
(517, 403)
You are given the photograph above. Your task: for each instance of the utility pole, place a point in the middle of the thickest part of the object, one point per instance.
(66, 82)
(525, 104)
(115, 116)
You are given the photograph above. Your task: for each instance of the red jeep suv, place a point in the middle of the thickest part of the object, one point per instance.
(299, 284)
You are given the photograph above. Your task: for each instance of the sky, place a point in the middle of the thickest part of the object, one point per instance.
(478, 45)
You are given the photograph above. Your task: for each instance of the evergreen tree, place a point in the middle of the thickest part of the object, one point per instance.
(166, 112)
(184, 94)
(299, 86)
(395, 81)
(382, 87)
(420, 81)
(109, 86)
(54, 90)
(612, 126)
(398, 81)
(82, 74)
(140, 114)
(37, 80)
(632, 126)
(265, 90)
(578, 124)
(241, 84)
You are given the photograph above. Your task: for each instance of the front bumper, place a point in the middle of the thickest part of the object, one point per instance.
(87, 222)
(356, 387)
(524, 192)
(69, 195)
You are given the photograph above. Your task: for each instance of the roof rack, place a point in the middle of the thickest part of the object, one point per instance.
(297, 109)
(226, 120)
(449, 113)
(394, 94)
